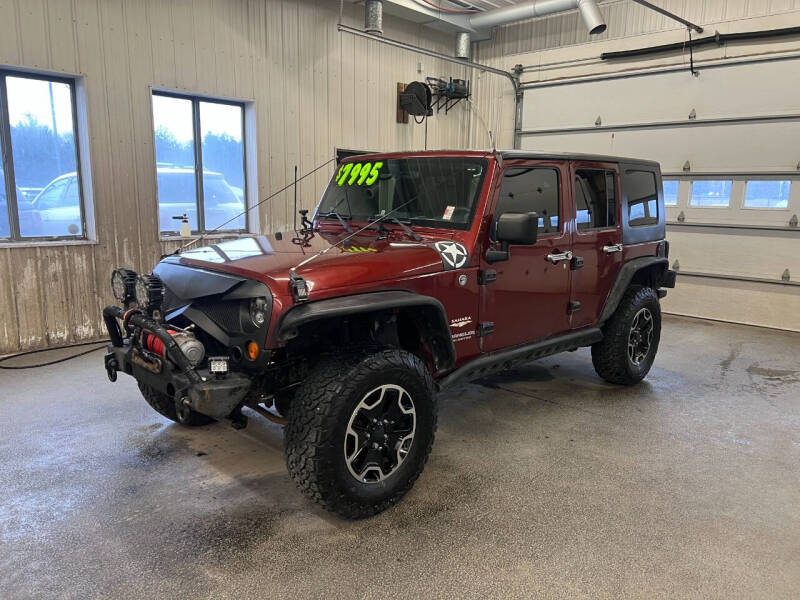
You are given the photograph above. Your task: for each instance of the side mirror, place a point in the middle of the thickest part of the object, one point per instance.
(513, 228)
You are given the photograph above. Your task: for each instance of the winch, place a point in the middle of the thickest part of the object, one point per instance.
(191, 347)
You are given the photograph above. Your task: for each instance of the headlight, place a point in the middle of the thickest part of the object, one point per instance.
(122, 284)
(149, 292)
(258, 311)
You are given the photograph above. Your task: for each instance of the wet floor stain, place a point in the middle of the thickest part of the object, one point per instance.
(725, 365)
(777, 375)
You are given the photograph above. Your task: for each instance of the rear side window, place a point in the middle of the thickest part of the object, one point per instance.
(642, 192)
(596, 198)
(531, 189)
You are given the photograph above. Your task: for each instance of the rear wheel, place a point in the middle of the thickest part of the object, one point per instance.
(630, 338)
(166, 406)
(360, 430)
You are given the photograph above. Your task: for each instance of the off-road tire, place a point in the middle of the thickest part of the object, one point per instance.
(318, 420)
(164, 405)
(610, 356)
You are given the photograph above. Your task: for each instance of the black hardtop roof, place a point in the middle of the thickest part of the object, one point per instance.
(511, 154)
(508, 155)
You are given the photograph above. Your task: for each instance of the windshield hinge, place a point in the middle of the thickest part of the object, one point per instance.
(486, 276)
(485, 328)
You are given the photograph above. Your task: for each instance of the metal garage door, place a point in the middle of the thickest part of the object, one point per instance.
(735, 127)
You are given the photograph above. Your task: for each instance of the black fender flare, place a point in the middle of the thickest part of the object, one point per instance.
(308, 312)
(624, 277)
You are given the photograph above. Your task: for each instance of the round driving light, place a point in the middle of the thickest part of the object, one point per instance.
(149, 292)
(122, 284)
(252, 350)
(141, 292)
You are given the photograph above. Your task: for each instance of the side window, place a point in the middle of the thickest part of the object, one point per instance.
(642, 191)
(596, 198)
(531, 189)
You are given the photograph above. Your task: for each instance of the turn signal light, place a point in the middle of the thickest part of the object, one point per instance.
(252, 350)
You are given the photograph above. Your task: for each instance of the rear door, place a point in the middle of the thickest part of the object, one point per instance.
(597, 239)
(528, 299)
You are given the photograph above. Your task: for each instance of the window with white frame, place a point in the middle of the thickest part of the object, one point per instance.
(671, 187)
(762, 193)
(41, 192)
(711, 193)
(200, 163)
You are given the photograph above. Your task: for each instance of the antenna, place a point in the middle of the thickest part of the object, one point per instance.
(485, 126)
(295, 197)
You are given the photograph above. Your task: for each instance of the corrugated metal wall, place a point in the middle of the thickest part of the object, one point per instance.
(630, 25)
(313, 89)
(624, 19)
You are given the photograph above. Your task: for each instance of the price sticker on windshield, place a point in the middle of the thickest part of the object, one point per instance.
(358, 173)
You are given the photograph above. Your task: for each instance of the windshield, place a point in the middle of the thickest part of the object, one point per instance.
(436, 192)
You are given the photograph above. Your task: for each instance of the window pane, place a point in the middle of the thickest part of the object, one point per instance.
(711, 193)
(221, 128)
(531, 190)
(5, 230)
(642, 192)
(174, 143)
(43, 147)
(671, 192)
(767, 194)
(596, 198)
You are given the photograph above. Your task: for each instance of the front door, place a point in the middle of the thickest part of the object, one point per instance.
(597, 242)
(528, 299)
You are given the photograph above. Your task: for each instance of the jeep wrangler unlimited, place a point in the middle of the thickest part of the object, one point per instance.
(419, 270)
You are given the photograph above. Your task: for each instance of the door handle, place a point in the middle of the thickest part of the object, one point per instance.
(559, 256)
(613, 248)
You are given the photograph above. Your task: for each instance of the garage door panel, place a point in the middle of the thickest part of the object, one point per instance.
(746, 147)
(736, 91)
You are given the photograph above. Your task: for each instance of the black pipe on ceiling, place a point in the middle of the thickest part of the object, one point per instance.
(718, 38)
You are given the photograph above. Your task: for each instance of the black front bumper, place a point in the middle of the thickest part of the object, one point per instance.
(171, 375)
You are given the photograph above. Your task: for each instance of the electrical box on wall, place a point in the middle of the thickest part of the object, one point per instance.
(402, 115)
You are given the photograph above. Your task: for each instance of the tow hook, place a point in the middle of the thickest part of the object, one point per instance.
(111, 367)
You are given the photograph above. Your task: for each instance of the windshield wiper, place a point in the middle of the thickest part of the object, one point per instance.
(339, 217)
(410, 232)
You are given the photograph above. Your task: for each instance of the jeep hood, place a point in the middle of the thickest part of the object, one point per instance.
(362, 259)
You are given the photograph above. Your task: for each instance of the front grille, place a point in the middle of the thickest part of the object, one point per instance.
(224, 314)
(171, 301)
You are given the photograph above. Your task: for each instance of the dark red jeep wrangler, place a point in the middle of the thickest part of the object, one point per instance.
(419, 270)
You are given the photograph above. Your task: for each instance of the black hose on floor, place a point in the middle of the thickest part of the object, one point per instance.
(52, 362)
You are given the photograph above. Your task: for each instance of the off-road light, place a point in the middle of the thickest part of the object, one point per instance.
(149, 292)
(123, 282)
(258, 311)
(218, 365)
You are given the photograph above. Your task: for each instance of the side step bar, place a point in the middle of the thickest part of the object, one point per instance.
(506, 359)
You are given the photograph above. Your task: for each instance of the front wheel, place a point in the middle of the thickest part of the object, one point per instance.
(630, 338)
(360, 430)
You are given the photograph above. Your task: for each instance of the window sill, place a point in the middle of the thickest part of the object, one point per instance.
(47, 243)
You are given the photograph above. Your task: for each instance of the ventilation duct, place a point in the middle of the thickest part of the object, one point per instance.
(373, 16)
(463, 45)
(588, 9)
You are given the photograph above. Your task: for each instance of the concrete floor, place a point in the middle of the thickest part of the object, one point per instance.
(544, 482)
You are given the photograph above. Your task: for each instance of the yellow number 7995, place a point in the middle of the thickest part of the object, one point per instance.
(358, 173)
